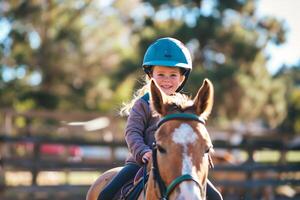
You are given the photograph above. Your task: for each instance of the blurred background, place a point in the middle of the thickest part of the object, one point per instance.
(68, 66)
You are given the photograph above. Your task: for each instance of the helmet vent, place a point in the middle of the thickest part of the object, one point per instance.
(168, 54)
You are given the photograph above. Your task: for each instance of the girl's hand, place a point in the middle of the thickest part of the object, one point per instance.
(146, 157)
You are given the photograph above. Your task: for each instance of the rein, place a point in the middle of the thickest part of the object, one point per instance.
(166, 190)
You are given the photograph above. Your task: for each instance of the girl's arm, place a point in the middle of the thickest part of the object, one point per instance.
(137, 123)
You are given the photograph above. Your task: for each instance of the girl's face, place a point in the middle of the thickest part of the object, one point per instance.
(167, 78)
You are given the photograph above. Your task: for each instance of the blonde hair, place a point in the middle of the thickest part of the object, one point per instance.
(126, 108)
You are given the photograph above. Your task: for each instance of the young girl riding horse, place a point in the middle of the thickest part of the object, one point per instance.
(169, 63)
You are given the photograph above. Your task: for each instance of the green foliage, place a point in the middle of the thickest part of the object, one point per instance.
(40, 98)
(291, 76)
(89, 56)
(70, 44)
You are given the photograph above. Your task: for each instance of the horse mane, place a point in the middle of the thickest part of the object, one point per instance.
(181, 100)
(176, 102)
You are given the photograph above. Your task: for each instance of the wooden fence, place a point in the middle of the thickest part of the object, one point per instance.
(247, 179)
(280, 169)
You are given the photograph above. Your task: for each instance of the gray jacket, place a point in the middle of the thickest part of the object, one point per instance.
(140, 129)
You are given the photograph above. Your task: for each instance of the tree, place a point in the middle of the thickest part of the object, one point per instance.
(93, 54)
(228, 46)
(291, 76)
(68, 46)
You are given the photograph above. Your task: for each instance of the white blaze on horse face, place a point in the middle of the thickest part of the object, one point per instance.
(185, 135)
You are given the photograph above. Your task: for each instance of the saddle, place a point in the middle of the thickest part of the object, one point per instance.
(133, 188)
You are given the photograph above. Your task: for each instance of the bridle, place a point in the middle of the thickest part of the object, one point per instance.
(166, 190)
(188, 116)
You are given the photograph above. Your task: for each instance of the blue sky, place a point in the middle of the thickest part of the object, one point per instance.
(288, 11)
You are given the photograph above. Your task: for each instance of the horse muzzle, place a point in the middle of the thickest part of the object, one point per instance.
(188, 191)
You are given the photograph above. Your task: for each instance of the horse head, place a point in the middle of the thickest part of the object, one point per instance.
(181, 157)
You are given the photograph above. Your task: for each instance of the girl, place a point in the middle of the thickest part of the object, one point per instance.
(169, 63)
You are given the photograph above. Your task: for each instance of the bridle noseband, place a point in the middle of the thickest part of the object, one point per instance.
(165, 191)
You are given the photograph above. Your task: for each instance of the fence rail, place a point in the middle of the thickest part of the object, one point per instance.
(36, 163)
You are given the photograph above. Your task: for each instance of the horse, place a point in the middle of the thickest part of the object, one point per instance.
(182, 153)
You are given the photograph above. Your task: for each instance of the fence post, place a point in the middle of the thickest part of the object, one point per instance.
(36, 160)
(2, 175)
(249, 192)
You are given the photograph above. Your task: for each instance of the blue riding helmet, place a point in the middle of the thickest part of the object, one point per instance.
(168, 52)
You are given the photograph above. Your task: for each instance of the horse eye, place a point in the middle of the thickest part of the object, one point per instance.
(208, 150)
(174, 107)
(161, 149)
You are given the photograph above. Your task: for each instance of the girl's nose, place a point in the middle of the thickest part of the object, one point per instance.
(167, 78)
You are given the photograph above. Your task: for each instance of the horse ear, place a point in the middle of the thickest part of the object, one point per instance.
(156, 97)
(203, 101)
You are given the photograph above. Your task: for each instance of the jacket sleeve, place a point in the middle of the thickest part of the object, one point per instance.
(134, 133)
